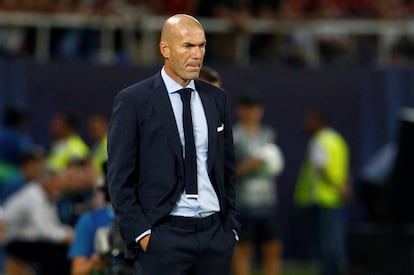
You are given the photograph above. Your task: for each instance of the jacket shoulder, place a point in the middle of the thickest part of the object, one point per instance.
(140, 88)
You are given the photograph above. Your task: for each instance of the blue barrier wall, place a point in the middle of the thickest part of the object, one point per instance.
(362, 103)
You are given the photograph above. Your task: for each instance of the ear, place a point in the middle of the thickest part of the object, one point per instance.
(165, 51)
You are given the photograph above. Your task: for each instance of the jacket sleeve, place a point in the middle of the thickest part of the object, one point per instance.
(123, 168)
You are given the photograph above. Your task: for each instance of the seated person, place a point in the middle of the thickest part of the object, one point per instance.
(85, 259)
(80, 183)
(34, 234)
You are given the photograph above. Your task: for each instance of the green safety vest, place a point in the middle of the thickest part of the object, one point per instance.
(311, 188)
(100, 155)
(63, 152)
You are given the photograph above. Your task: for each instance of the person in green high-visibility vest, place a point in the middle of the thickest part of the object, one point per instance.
(67, 144)
(323, 186)
(97, 131)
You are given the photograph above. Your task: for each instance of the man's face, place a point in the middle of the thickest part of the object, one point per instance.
(184, 53)
(250, 114)
(57, 127)
(32, 168)
(96, 127)
(53, 187)
(311, 123)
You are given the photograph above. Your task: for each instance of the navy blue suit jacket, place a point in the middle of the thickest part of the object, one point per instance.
(145, 163)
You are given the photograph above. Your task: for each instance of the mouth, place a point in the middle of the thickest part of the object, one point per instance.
(193, 66)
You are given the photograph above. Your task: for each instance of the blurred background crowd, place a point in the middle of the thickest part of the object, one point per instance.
(266, 9)
(43, 193)
(292, 45)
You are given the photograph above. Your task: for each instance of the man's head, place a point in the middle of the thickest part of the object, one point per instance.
(63, 125)
(15, 118)
(51, 182)
(97, 127)
(314, 121)
(250, 110)
(32, 163)
(211, 76)
(183, 45)
(79, 176)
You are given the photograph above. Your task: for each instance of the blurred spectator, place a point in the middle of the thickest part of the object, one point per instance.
(221, 45)
(35, 236)
(79, 44)
(70, 153)
(98, 247)
(14, 141)
(362, 8)
(262, 46)
(82, 253)
(67, 144)
(295, 9)
(259, 161)
(323, 186)
(210, 75)
(97, 130)
(214, 8)
(171, 7)
(11, 39)
(30, 166)
(132, 9)
(393, 9)
(337, 50)
(17, 161)
(80, 183)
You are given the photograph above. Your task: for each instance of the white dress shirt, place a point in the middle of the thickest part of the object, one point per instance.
(207, 201)
(31, 216)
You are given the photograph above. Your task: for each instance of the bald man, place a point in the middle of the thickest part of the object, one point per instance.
(171, 165)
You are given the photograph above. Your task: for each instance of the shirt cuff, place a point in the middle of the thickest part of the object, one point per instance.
(236, 235)
(147, 232)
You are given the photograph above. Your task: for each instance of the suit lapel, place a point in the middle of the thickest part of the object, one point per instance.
(210, 109)
(165, 112)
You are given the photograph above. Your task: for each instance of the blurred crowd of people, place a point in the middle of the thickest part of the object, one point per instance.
(271, 9)
(45, 193)
(84, 44)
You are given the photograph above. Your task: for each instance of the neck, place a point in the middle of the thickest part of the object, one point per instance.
(176, 78)
(65, 136)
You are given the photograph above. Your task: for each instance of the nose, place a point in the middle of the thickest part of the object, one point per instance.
(197, 52)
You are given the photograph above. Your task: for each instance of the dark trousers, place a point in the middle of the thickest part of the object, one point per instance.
(46, 258)
(188, 246)
(331, 237)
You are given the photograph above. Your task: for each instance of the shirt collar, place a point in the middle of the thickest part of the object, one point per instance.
(171, 85)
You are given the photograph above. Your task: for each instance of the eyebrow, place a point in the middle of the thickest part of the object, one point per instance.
(193, 44)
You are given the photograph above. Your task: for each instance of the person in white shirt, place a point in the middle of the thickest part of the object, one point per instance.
(33, 231)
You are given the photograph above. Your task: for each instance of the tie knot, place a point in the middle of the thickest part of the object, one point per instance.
(185, 94)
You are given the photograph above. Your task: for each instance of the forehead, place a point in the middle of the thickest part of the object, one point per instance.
(190, 34)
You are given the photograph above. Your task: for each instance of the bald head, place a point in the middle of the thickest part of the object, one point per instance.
(175, 23)
(183, 47)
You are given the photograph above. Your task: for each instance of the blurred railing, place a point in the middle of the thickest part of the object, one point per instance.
(149, 28)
